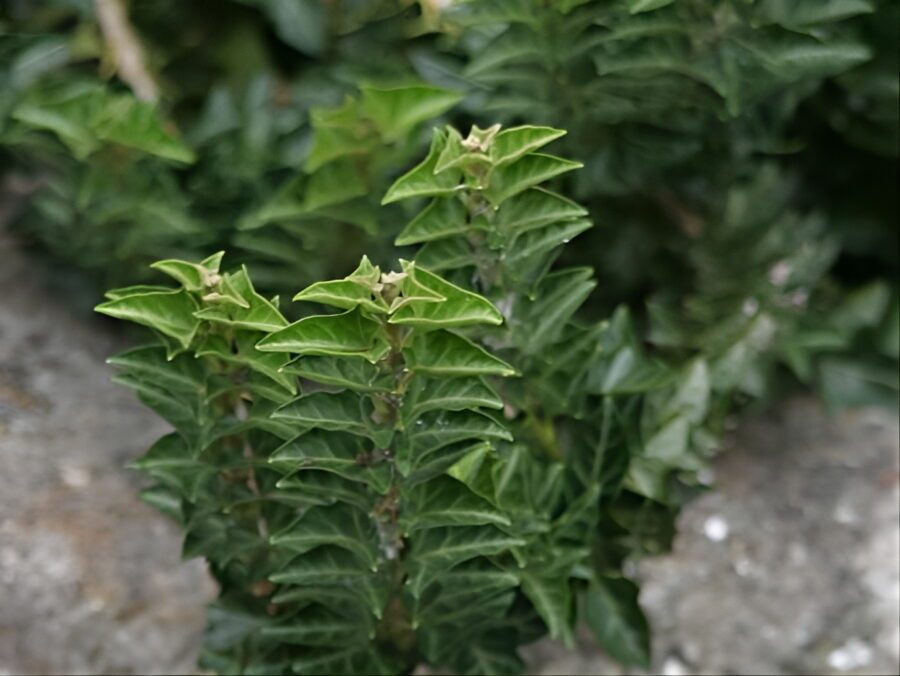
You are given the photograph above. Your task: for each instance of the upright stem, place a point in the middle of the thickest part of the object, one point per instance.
(395, 627)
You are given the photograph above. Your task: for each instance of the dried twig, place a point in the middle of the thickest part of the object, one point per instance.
(126, 48)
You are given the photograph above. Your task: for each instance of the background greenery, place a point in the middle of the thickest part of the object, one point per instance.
(740, 168)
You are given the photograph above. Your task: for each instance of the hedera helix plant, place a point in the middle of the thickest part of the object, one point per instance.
(374, 487)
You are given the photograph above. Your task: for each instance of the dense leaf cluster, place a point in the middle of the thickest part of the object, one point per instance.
(736, 195)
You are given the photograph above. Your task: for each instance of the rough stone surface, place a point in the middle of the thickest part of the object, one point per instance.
(791, 566)
(90, 577)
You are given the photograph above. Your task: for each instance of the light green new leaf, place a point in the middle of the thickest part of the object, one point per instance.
(511, 144)
(446, 354)
(421, 181)
(169, 312)
(257, 313)
(458, 307)
(356, 290)
(348, 333)
(193, 276)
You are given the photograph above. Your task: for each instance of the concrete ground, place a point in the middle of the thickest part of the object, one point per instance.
(790, 566)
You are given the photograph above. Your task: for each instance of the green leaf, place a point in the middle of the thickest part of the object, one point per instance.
(443, 217)
(511, 144)
(639, 6)
(338, 132)
(346, 455)
(512, 179)
(334, 183)
(795, 61)
(434, 431)
(458, 307)
(552, 599)
(541, 321)
(436, 550)
(536, 208)
(447, 502)
(539, 242)
(447, 394)
(443, 353)
(464, 588)
(327, 488)
(339, 525)
(137, 124)
(243, 351)
(446, 254)
(316, 626)
(335, 566)
(355, 373)
(302, 24)
(397, 111)
(357, 290)
(327, 411)
(353, 660)
(612, 612)
(348, 333)
(173, 463)
(169, 312)
(149, 364)
(193, 276)
(670, 443)
(421, 181)
(256, 313)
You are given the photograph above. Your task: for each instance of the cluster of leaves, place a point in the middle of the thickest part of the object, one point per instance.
(710, 130)
(336, 522)
(109, 183)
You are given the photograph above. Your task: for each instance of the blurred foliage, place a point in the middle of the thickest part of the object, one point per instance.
(739, 164)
